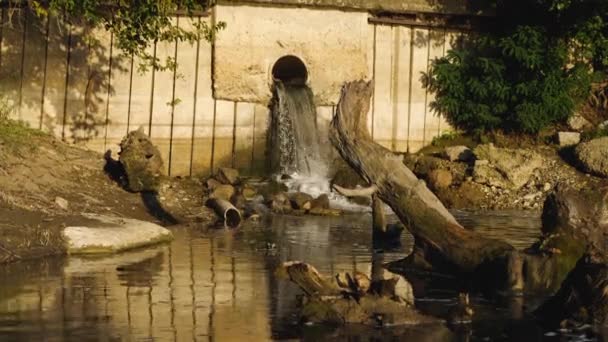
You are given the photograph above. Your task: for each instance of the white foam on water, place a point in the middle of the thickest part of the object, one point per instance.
(317, 185)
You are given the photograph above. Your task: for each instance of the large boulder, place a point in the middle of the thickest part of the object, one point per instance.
(593, 156)
(440, 179)
(572, 223)
(142, 162)
(110, 234)
(505, 168)
(568, 138)
(578, 123)
(458, 153)
(227, 175)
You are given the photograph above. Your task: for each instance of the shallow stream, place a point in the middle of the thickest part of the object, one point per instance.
(220, 285)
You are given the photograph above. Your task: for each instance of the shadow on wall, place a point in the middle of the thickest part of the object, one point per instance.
(56, 74)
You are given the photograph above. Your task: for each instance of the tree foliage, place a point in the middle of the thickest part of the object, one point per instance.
(528, 69)
(135, 24)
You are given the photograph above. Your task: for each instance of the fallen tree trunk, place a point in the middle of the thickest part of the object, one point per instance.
(359, 192)
(444, 241)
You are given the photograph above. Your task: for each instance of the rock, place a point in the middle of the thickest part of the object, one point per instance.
(141, 161)
(458, 153)
(404, 291)
(223, 191)
(440, 179)
(321, 202)
(248, 192)
(506, 168)
(568, 138)
(583, 214)
(212, 183)
(62, 203)
(532, 196)
(301, 200)
(280, 203)
(425, 164)
(603, 125)
(593, 156)
(272, 188)
(467, 195)
(110, 234)
(581, 299)
(227, 175)
(238, 200)
(547, 187)
(488, 175)
(346, 177)
(481, 162)
(325, 212)
(578, 123)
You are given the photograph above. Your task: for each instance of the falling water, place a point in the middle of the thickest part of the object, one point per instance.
(296, 146)
(295, 139)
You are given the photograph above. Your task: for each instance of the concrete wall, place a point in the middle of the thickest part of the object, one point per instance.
(434, 6)
(334, 45)
(91, 94)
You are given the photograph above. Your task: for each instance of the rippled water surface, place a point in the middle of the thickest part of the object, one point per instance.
(219, 285)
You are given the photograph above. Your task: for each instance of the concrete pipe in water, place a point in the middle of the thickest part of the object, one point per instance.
(228, 213)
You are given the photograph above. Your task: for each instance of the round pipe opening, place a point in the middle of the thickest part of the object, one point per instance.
(290, 70)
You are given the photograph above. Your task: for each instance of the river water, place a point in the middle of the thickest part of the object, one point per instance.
(220, 285)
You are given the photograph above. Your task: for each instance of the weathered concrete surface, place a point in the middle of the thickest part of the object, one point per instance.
(449, 6)
(112, 234)
(334, 46)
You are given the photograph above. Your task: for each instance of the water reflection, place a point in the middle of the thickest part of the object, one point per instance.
(214, 285)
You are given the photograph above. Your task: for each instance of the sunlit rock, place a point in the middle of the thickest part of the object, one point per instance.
(111, 234)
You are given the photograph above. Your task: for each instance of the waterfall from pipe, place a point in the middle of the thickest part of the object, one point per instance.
(297, 148)
(297, 142)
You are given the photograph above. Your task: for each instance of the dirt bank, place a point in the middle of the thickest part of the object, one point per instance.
(45, 184)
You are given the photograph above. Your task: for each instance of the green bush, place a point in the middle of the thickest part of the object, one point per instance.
(530, 70)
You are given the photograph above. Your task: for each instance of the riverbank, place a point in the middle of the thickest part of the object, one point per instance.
(47, 185)
(510, 172)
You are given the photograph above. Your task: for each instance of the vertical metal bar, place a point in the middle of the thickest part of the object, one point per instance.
(374, 85)
(22, 71)
(198, 46)
(213, 137)
(152, 93)
(409, 100)
(130, 93)
(67, 82)
(108, 91)
(445, 35)
(44, 71)
(253, 142)
(1, 33)
(426, 93)
(173, 104)
(233, 134)
(395, 84)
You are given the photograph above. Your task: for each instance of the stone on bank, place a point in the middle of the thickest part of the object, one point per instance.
(593, 156)
(110, 234)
